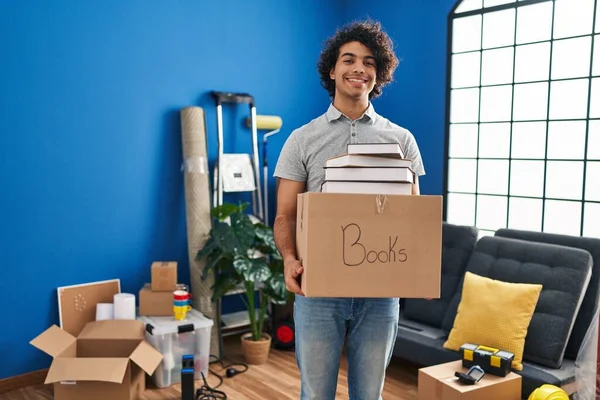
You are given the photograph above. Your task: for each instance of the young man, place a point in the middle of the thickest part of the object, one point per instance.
(356, 63)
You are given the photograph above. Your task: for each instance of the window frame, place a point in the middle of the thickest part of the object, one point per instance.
(585, 159)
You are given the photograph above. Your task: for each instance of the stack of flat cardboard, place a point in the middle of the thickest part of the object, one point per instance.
(369, 168)
(156, 297)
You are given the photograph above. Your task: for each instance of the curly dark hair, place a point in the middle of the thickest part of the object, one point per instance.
(371, 35)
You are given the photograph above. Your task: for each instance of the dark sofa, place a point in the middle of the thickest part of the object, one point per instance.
(568, 267)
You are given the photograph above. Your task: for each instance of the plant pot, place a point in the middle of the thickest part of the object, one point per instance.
(256, 351)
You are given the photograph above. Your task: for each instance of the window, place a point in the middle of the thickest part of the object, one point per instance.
(523, 116)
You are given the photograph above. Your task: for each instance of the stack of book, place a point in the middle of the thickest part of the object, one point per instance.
(369, 168)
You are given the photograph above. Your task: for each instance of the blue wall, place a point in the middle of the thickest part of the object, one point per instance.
(416, 100)
(90, 142)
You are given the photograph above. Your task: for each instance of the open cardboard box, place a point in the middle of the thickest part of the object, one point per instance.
(107, 360)
(367, 245)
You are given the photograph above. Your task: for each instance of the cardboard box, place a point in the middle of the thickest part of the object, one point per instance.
(107, 360)
(366, 245)
(439, 383)
(155, 303)
(164, 276)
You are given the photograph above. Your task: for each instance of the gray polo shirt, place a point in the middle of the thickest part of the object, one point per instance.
(305, 151)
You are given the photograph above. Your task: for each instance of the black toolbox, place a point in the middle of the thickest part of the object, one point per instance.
(493, 361)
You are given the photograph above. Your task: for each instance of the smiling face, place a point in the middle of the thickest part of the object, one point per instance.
(355, 72)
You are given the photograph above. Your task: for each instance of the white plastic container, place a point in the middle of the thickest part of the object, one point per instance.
(174, 339)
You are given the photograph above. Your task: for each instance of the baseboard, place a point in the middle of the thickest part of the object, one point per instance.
(24, 380)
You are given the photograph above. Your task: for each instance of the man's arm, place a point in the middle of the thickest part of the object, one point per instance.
(284, 230)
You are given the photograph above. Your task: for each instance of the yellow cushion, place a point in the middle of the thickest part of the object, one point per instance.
(495, 314)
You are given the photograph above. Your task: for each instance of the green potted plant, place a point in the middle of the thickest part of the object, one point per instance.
(242, 254)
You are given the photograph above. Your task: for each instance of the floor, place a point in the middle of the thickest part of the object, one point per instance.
(278, 379)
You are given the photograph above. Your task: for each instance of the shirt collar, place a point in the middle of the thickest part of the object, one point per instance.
(335, 114)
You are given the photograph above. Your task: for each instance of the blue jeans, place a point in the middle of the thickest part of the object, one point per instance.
(367, 327)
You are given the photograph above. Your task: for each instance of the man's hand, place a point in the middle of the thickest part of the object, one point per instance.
(292, 269)
(284, 231)
(416, 190)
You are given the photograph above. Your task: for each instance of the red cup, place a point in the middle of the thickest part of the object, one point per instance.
(181, 295)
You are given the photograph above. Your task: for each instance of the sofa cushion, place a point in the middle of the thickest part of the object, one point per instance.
(590, 301)
(535, 376)
(421, 344)
(564, 273)
(494, 313)
(457, 245)
(425, 350)
(429, 331)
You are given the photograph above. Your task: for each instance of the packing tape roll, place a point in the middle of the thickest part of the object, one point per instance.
(124, 306)
(104, 311)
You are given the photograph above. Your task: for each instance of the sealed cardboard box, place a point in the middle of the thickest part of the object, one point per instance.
(155, 303)
(439, 383)
(367, 245)
(164, 276)
(107, 360)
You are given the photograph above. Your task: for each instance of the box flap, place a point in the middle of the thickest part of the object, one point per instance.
(87, 369)
(113, 329)
(53, 341)
(147, 357)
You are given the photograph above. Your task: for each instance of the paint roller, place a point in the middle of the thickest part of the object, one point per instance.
(271, 123)
(266, 122)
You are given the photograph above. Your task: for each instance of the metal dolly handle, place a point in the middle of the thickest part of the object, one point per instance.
(238, 98)
(227, 97)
